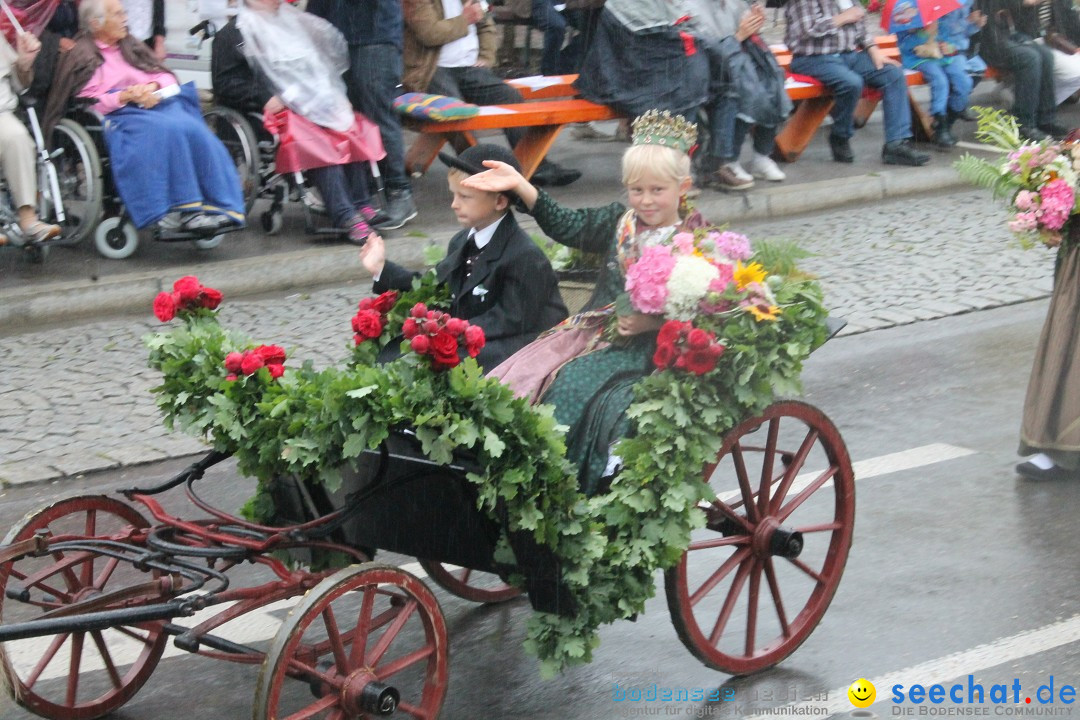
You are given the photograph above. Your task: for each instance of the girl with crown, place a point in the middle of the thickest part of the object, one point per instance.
(575, 367)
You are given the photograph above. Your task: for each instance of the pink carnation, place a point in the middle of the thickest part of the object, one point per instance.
(1023, 222)
(1057, 204)
(646, 280)
(731, 245)
(1025, 200)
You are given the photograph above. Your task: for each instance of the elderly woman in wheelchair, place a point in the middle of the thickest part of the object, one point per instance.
(18, 154)
(285, 65)
(167, 166)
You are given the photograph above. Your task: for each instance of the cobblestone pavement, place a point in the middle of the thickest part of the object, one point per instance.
(75, 400)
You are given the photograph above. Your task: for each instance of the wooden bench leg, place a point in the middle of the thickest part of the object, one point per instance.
(801, 127)
(533, 148)
(922, 123)
(426, 148)
(863, 110)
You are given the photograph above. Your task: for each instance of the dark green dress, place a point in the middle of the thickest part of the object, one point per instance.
(592, 392)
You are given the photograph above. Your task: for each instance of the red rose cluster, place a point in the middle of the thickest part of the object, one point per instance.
(370, 319)
(272, 357)
(188, 294)
(439, 336)
(681, 345)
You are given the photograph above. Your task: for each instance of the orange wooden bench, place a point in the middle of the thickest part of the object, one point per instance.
(544, 119)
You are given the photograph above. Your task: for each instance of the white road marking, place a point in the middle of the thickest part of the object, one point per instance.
(952, 666)
(977, 146)
(881, 465)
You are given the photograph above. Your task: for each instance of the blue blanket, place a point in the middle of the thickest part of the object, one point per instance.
(167, 159)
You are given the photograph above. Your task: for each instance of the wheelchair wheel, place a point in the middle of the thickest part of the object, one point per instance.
(79, 177)
(208, 243)
(116, 238)
(239, 139)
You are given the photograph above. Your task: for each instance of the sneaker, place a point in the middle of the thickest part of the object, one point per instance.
(554, 175)
(901, 152)
(375, 217)
(198, 221)
(358, 235)
(400, 209)
(587, 131)
(841, 149)
(1031, 471)
(726, 178)
(171, 221)
(765, 168)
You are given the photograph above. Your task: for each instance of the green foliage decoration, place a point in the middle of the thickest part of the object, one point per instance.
(310, 423)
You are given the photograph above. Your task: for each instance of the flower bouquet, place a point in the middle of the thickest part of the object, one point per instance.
(1038, 179)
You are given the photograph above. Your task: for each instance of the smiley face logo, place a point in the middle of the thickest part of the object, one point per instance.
(862, 693)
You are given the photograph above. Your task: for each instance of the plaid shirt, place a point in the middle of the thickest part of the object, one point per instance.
(810, 29)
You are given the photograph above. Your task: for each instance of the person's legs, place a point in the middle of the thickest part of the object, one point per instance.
(334, 186)
(960, 86)
(894, 101)
(17, 158)
(481, 86)
(1024, 61)
(374, 75)
(934, 73)
(845, 84)
(761, 165)
(546, 18)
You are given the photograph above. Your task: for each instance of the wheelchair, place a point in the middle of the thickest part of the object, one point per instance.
(69, 189)
(254, 151)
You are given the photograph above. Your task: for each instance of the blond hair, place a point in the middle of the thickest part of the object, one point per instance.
(657, 161)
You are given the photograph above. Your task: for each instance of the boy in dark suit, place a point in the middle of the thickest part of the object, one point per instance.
(498, 278)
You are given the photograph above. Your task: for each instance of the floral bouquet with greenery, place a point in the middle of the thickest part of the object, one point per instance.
(724, 365)
(1039, 179)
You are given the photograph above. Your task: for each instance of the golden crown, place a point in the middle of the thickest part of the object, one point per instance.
(657, 127)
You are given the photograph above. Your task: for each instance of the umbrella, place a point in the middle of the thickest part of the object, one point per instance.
(25, 16)
(900, 15)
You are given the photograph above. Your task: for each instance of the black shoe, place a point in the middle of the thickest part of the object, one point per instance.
(943, 136)
(900, 152)
(967, 115)
(1054, 130)
(1033, 134)
(551, 174)
(1031, 471)
(841, 149)
(400, 209)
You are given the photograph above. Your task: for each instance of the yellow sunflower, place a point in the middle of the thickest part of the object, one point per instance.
(760, 312)
(747, 274)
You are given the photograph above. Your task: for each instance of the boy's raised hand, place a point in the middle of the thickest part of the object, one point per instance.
(373, 254)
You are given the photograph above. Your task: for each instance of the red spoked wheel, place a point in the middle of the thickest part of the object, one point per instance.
(77, 675)
(474, 585)
(758, 578)
(369, 640)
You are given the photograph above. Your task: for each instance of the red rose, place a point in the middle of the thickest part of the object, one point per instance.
(211, 298)
(366, 304)
(419, 310)
(444, 348)
(189, 288)
(663, 355)
(668, 332)
(276, 370)
(251, 363)
(271, 354)
(474, 339)
(409, 329)
(385, 302)
(433, 315)
(233, 361)
(700, 362)
(456, 326)
(698, 339)
(431, 327)
(231, 378)
(420, 344)
(368, 323)
(164, 307)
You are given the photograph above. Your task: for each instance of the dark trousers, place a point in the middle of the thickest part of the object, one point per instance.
(727, 131)
(343, 188)
(374, 81)
(479, 86)
(549, 20)
(1032, 66)
(845, 74)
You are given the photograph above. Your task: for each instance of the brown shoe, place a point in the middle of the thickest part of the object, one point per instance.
(725, 179)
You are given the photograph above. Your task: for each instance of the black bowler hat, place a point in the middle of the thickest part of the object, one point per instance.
(472, 160)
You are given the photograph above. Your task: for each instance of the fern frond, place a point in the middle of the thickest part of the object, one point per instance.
(780, 257)
(983, 173)
(997, 128)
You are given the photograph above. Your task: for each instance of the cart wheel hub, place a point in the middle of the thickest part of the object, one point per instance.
(770, 539)
(363, 693)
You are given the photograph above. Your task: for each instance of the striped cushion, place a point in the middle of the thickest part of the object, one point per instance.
(434, 107)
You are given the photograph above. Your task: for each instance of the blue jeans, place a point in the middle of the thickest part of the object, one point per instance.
(343, 188)
(546, 18)
(727, 131)
(374, 81)
(845, 74)
(950, 84)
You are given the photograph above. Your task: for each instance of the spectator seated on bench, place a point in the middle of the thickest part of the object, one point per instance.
(832, 45)
(452, 54)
